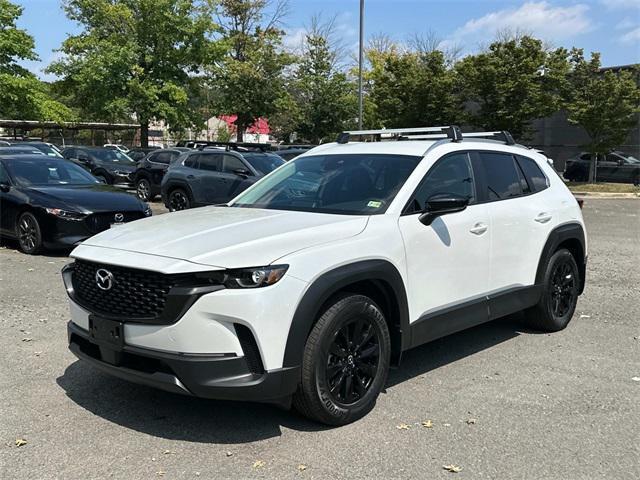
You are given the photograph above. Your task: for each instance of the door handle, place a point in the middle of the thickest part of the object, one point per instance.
(543, 217)
(479, 228)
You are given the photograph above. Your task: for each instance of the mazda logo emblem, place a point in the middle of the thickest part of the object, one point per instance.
(118, 217)
(104, 279)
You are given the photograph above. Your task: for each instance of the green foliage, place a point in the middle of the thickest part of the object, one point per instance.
(604, 104)
(248, 81)
(512, 83)
(136, 58)
(410, 89)
(22, 95)
(223, 134)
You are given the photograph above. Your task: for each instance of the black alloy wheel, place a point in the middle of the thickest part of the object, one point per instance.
(564, 291)
(143, 190)
(178, 200)
(29, 234)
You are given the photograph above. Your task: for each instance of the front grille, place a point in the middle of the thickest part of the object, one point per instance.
(134, 293)
(97, 222)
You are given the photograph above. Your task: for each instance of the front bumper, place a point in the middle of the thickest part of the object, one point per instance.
(222, 376)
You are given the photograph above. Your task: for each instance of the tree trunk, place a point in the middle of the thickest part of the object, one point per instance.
(144, 134)
(239, 132)
(593, 166)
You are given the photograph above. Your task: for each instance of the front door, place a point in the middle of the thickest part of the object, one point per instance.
(447, 261)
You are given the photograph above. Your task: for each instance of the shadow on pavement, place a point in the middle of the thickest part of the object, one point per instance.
(178, 417)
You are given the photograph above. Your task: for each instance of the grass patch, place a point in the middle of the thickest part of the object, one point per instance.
(603, 187)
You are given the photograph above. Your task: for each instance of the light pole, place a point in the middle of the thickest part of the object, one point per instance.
(360, 55)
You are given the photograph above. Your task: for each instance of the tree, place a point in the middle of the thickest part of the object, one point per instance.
(135, 58)
(326, 99)
(248, 80)
(512, 83)
(605, 104)
(22, 95)
(410, 89)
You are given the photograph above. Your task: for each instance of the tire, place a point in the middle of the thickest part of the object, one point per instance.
(560, 294)
(29, 234)
(340, 381)
(178, 200)
(636, 182)
(143, 190)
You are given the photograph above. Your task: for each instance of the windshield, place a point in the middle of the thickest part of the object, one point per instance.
(629, 158)
(27, 172)
(106, 155)
(355, 184)
(263, 162)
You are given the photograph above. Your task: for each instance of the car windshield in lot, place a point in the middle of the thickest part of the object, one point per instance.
(106, 155)
(34, 172)
(44, 148)
(263, 162)
(354, 184)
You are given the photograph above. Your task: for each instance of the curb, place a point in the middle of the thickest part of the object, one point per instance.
(605, 195)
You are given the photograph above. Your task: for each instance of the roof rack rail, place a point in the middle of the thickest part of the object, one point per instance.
(422, 133)
(235, 145)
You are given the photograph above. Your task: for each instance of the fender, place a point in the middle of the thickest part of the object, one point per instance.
(331, 282)
(171, 184)
(569, 231)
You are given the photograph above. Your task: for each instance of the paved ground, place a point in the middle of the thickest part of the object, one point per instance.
(505, 403)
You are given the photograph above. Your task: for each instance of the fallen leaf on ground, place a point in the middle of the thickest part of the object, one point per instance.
(635, 379)
(471, 421)
(446, 424)
(427, 424)
(585, 316)
(29, 269)
(229, 454)
(20, 442)
(302, 467)
(403, 426)
(258, 464)
(160, 473)
(452, 468)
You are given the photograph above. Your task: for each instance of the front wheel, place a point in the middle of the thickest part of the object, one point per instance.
(143, 190)
(29, 234)
(345, 362)
(560, 294)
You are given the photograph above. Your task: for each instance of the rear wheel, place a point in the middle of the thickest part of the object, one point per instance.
(178, 200)
(560, 294)
(345, 362)
(29, 234)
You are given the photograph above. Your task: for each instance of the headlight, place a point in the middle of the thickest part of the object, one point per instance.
(254, 277)
(121, 173)
(147, 210)
(66, 214)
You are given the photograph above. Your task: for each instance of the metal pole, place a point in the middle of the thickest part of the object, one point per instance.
(360, 55)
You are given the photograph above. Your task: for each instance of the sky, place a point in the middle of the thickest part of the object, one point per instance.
(611, 27)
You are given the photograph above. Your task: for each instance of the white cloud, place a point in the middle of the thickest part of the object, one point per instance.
(618, 4)
(631, 37)
(538, 18)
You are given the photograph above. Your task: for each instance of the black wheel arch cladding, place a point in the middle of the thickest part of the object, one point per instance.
(375, 272)
(570, 236)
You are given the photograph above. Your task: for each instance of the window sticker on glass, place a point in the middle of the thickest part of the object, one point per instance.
(374, 204)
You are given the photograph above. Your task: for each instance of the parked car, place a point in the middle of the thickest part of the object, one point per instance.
(53, 203)
(116, 146)
(311, 283)
(47, 148)
(290, 153)
(109, 166)
(617, 167)
(213, 176)
(20, 150)
(138, 153)
(148, 175)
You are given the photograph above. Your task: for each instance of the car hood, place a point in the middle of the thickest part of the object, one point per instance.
(90, 198)
(229, 237)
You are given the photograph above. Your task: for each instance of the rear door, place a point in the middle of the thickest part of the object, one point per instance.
(522, 216)
(210, 184)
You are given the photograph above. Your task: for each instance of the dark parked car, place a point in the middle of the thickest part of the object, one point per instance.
(19, 150)
(46, 148)
(213, 176)
(53, 203)
(137, 154)
(617, 167)
(151, 169)
(109, 166)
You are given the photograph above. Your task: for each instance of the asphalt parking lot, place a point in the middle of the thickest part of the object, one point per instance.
(503, 402)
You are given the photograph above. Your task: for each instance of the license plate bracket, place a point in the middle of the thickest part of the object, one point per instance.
(106, 332)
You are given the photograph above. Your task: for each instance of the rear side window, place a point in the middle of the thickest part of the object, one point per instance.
(502, 176)
(535, 177)
(161, 157)
(191, 161)
(210, 162)
(232, 163)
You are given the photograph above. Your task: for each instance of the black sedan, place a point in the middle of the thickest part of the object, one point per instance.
(109, 166)
(53, 203)
(617, 167)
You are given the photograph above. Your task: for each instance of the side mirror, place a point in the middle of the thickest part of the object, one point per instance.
(242, 172)
(442, 204)
(4, 187)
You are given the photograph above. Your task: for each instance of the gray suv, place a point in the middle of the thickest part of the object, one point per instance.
(213, 175)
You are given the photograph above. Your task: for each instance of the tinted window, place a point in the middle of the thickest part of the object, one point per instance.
(48, 172)
(451, 174)
(534, 175)
(107, 155)
(503, 179)
(163, 157)
(263, 162)
(192, 161)
(209, 162)
(354, 184)
(232, 163)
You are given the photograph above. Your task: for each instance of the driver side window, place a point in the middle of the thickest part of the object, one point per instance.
(451, 174)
